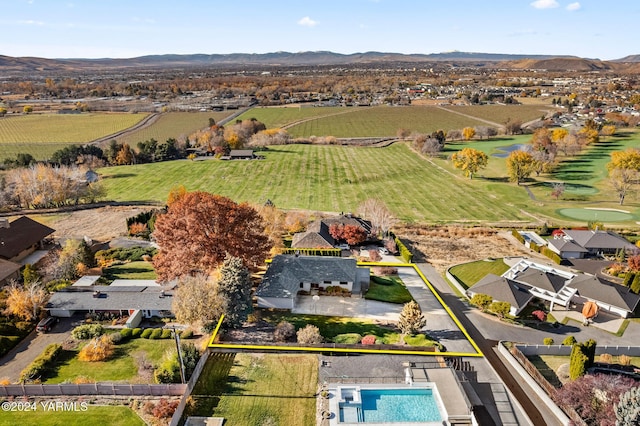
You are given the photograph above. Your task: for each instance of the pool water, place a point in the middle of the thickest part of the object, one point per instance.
(393, 406)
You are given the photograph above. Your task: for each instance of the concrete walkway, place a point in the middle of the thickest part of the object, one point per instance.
(347, 307)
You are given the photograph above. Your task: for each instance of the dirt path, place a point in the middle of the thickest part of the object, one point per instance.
(146, 122)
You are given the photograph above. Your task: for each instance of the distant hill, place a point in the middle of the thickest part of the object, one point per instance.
(549, 62)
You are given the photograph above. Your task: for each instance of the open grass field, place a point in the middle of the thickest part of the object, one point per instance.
(130, 271)
(121, 367)
(42, 134)
(172, 125)
(270, 389)
(470, 273)
(95, 415)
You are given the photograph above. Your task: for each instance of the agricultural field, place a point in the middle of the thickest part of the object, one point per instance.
(172, 125)
(501, 113)
(416, 189)
(42, 134)
(274, 117)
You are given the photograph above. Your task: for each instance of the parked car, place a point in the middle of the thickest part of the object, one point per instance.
(343, 246)
(46, 324)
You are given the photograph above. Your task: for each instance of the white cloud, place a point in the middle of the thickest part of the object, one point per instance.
(545, 4)
(307, 22)
(572, 7)
(31, 22)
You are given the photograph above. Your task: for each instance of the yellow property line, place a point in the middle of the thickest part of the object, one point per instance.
(478, 352)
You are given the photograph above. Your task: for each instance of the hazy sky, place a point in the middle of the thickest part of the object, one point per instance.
(605, 29)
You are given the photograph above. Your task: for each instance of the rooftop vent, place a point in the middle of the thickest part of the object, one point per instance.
(4, 223)
(96, 294)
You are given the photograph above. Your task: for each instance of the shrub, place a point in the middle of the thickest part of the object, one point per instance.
(146, 333)
(164, 409)
(166, 333)
(628, 278)
(606, 358)
(186, 334)
(551, 255)
(374, 256)
(517, 236)
(369, 339)
(348, 338)
(156, 333)
(569, 341)
(385, 270)
(548, 341)
(501, 309)
(624, 360)
(533, 246)
(635, 284)
(126, 333)
(136, 332)
(168, 371)
(482, 301)
(87, 331)
(41, 364)
(539, 315)
(115, 338)
(284, 332)
(190, 358)
(98, 349)
(309, 335)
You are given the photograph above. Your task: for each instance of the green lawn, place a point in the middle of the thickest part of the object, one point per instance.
(95, 415)
(388, 289)
(501, 113)
(130, 271)
(274, 117)
(258, 389)
(122, 367)
(470, 273)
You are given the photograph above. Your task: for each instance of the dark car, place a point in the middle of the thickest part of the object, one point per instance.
(46, 324)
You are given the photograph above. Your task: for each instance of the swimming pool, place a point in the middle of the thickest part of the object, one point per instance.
(405, 405)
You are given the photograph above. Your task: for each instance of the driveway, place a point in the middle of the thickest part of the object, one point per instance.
(347, 307)
(22, 355)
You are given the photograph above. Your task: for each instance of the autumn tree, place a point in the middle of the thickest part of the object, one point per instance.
(24, 301)
(352, 234)
(200, 229)
(520, 165)
(411, 319)
(233, 291)
(274, 225)
(633, 262)
(608, 130)
(124, 155)
(377, 212)
(559, 134)
(98, 349)
(309, 335)
(468, 133)
(624, 172)
(470, 161)
(195, 301)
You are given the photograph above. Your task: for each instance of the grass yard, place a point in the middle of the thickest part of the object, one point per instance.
(470, 273)
(95, 415)
(130, 271)
(172, 125)
(275, 389)
(257, 389)
(121, 367)
(388, 289)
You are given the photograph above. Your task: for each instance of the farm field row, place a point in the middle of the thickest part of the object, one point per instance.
(282, 116)
(172, 125)
(64, 128)
(501, 113)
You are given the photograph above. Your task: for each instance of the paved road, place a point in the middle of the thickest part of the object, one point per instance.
(21, 356)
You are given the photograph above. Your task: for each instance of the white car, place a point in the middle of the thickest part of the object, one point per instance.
(383, 251)
(343, 246)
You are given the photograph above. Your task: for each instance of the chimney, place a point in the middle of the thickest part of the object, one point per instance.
(4, 223)
(96, 294)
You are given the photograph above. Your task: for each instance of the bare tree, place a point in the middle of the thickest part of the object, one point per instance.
(377, 212)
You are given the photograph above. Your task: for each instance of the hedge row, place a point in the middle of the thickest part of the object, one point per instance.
(517, 236)
(313, 252)
(133, 254)
(87, 331)
(551, 254)
(152, 333)
(404, 251)
(41, 364)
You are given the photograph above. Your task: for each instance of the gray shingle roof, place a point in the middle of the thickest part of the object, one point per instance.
(598, 239)
(541, 279)
(111, 299)
(567, 245)
(21, 234)
(285, 273)
(592, 288)
(316, 236)
(503, 290)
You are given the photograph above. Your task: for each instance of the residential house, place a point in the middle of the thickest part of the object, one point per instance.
(288, 276)
(317, 234)
(527, 280)
(149, 300)
(574, 244)
(20, 238)
(240, 154)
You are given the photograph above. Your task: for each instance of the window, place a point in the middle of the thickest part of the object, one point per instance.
(327, 282)
(301, 285)
(344, 283)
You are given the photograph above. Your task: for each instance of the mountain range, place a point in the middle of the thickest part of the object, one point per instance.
(323, 58)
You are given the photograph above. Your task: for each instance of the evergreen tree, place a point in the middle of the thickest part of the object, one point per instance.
(234, 291)
(411, 318)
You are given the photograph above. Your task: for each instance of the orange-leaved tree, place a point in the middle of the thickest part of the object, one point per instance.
(199, 229)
